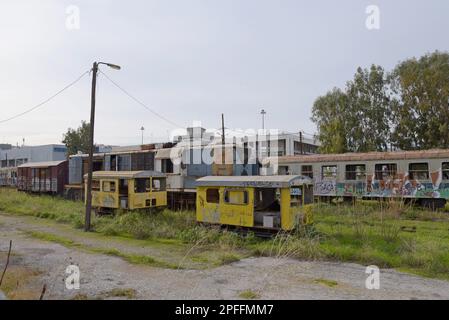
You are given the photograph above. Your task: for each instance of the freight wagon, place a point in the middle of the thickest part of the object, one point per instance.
(421, 176)
(8, 177)
(42, 177)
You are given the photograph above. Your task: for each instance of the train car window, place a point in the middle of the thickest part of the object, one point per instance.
(355, 172)
(385, 170)
(212, 195)
(167, 166)
(307, 171)
(296, 196)
(142, 185)
(95, 185)
(418, 171)
(329, 172)
(108, 186)
(283, 170)
(158, 184)
(445, 168)
(236, 197)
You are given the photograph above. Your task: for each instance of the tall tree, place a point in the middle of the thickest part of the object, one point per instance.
(328, 113)
(357, 119)
(77, 139)
(421, 110)
(368, 118)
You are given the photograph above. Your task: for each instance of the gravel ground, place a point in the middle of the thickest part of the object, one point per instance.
(268, 278)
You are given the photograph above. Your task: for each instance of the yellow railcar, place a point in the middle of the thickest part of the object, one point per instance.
(128, 190)
(269, 203)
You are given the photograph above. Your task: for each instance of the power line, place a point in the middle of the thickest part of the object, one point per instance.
(46, 100)
(141, 103)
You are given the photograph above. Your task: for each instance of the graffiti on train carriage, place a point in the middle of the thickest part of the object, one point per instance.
(399, 186)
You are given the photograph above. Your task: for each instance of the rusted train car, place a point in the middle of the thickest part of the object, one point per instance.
(421, 176)
(43, 177)
(141, 158)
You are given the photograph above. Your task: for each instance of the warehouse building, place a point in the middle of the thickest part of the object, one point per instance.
(15, 156)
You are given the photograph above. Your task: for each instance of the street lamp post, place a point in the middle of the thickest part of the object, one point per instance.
(91, 142)
(263, 113)
(142, 129)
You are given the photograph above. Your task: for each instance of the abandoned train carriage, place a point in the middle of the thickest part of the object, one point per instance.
(129, 190)
(419, 175)
(181, 174)
(269, 204)
(42, 177)
(131, 160)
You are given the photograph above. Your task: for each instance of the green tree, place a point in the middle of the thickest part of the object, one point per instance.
(357, 119)
(420, 108)
(368, 112)
(77, 139)
(328, 113)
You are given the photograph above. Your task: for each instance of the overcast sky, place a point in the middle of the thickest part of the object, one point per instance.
(194, 59)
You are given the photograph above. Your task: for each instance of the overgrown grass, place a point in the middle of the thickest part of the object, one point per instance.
(387, 234)
(47, 207)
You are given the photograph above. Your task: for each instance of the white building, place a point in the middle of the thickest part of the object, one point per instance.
(16, 156)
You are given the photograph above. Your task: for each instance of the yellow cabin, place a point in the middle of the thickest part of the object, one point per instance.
(127, 190)
(271, 203)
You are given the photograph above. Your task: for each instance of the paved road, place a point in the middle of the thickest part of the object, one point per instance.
(269, 278)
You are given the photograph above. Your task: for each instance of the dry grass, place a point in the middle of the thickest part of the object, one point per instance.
(19, 283)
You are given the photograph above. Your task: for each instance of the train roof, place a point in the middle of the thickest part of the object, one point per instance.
(127, 174)
(368, 156)
(253, 181)
(45, 164)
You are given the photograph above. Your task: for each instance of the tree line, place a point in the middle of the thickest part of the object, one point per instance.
(406, 108)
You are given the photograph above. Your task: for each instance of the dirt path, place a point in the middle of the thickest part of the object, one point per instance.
(267, 278)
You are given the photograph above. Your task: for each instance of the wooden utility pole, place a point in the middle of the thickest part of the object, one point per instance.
(223, 140)
(300, 142)
(91, 149)
(91, 142)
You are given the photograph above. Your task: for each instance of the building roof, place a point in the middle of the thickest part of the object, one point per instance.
(166, 153)
(126, 174)
(253, 181)
(45, 164)
(379, 156)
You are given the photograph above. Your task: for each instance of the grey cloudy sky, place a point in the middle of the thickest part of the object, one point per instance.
(194, 59)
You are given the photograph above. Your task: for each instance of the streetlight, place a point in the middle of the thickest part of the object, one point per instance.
(91, 141)
(263, 113)
(142, 129)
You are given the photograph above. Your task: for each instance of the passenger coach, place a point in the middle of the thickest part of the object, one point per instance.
(422, 176)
